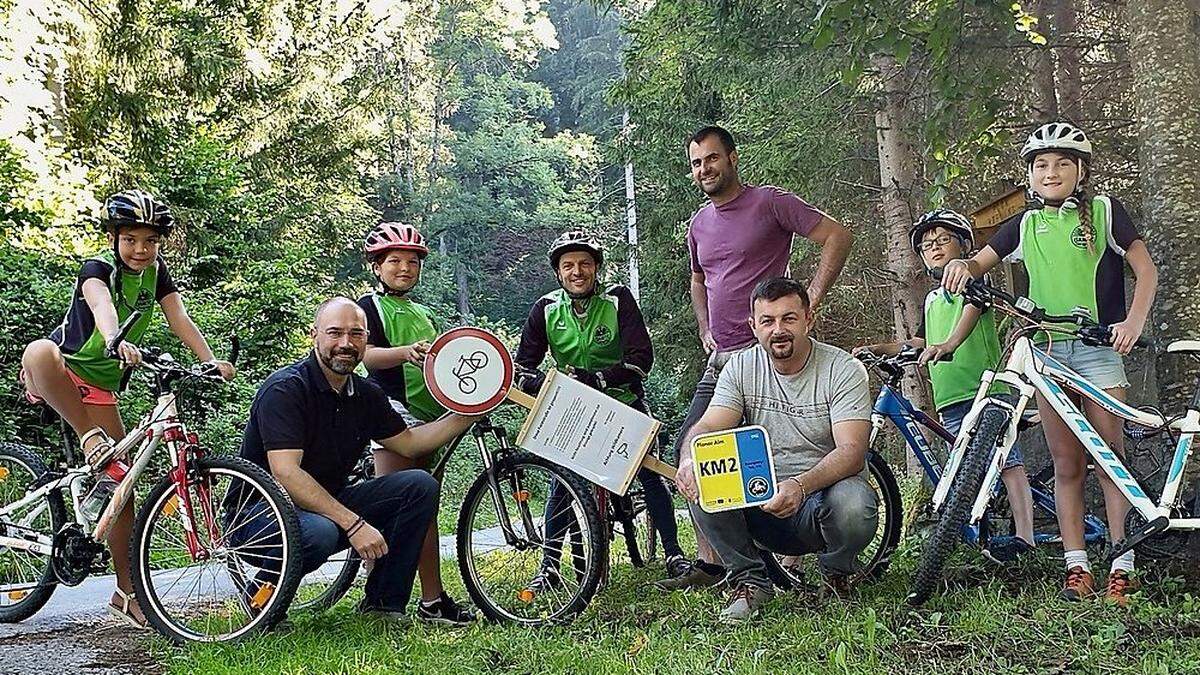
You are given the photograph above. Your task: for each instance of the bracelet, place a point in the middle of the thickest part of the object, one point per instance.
(355, 526)
(803, 490)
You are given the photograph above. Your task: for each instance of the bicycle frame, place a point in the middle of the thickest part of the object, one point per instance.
(892, 405)
(1029, 370)
(160, 426)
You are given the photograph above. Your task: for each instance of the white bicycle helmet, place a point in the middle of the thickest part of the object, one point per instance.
(954, 221)
(1057, 137)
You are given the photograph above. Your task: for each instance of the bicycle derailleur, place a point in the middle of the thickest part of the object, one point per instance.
(75, 555)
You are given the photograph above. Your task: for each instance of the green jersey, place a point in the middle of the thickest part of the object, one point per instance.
(608, 337)
(1063, 273)
(397, 322)
(79, 339)
(958, 379)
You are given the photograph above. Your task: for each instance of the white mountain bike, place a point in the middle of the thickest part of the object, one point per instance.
(988, 434)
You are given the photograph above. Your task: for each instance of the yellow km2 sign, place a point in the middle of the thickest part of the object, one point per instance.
(734, 469)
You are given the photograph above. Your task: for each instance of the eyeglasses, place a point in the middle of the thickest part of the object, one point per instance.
(929, 244)
(356, 334)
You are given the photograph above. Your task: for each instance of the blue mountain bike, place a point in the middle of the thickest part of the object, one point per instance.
(995, 527)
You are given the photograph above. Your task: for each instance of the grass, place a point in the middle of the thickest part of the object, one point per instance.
(990, 620)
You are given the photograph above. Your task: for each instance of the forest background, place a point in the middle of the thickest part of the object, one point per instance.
(280, 131)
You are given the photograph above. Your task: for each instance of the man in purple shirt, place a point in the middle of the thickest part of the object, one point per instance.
(740, 237)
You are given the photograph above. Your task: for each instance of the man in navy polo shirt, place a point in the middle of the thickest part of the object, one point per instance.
(311, 422)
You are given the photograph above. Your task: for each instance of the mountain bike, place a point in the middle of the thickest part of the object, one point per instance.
(996, 524)
(190, 581)
(978, 454)
(502, 534)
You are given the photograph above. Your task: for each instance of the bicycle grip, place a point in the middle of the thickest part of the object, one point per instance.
(110, 349)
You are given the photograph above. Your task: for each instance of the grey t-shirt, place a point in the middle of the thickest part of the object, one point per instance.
(798, 411)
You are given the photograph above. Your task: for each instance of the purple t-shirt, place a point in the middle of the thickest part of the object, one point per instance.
(740, 243)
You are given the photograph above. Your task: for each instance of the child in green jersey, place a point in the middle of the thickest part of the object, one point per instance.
(951, 326)
(70, 371)
(1074, 247)
(400, 332)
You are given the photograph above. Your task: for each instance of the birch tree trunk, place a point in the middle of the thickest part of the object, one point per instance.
(1070, 85)
(900, 206)
(1044, 100)
(1165, 54)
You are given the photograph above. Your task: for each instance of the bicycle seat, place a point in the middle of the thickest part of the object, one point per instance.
(1184, 347)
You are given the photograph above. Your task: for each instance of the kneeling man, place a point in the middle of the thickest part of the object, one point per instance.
(813, 399)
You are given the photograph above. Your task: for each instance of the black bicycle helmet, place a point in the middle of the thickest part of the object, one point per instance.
(137, 208)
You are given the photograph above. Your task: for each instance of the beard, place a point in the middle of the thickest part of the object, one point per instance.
(781, 346)
(721, 184)
(342, 361)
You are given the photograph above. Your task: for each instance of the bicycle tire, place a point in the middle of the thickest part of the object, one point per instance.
(947, 532)
(595, 543)
(280, 507)
(891, 527)
(13, 455)
(342, 582)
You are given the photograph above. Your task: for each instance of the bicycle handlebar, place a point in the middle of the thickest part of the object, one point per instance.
(1089, 331)
(110, 348)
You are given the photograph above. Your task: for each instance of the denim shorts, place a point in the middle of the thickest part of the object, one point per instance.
(1099, 365)
(952, 418)
(409, 421)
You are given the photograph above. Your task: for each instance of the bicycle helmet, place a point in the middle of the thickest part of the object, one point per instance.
(386, 237)
(951, 220)
(1061, 137)
(575, 240)
(137, 208)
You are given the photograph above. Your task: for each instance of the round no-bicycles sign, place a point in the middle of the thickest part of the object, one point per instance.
(468, 370)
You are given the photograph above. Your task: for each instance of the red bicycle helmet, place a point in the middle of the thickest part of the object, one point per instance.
(394, 237)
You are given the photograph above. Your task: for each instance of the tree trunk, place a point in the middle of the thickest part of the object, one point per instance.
(1165, 54)
(1044, 100)
(1070, 86)
(897, 168)
(461, 281)
(631, 231)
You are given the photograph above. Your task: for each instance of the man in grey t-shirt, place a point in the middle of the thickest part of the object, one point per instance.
(813, 399)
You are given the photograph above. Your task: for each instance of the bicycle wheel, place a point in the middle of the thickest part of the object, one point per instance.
(956, 511)
(237, 575)
(26, 579)
(498, 567)
(325, 586)
(876, 558)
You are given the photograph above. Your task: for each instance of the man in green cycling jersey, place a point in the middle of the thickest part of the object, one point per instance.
(600, 339)
(400, 331)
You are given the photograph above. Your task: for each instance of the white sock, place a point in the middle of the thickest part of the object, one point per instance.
(1123, 562)
(1077, 559)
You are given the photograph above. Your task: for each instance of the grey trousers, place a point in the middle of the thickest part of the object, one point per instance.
(838, 523)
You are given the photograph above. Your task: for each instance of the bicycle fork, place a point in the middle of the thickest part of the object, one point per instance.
(520, 494)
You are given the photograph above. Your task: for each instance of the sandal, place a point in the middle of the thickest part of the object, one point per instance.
(100, 452)
(127, 617)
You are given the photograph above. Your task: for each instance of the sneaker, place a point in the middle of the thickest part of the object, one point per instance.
(445, 611)
(677, 566)
(1119, 587)
(1080, 584)
(547, 579)
(744, 603)
(1007, 551)
(697, 577)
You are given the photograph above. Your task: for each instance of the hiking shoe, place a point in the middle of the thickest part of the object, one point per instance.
(382, 611)
(1007, 551)
(677, 566)
(744, 603)
(697, 577)
(1119, 587)
(445, 611)
(1080, 584)
(835, 586)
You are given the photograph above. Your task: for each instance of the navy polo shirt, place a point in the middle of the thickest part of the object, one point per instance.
(296, 409)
